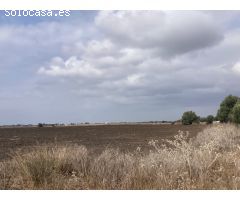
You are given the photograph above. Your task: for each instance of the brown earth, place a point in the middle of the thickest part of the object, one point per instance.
(96, 138)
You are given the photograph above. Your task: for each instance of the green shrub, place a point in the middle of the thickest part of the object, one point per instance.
(203, 119)
(236, 113)
(224, 113)
(210, 119)
(189, 117)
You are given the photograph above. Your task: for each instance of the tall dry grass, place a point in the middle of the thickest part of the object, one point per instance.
(211, 160)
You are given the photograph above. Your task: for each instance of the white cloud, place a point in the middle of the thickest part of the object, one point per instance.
(71, 67)
(129, 61)
(236, 68)
(99, 48)
(137, 42)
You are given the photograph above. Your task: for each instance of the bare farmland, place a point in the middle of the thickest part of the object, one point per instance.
(96, 138)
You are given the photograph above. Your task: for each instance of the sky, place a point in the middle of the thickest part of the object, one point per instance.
(109, 66)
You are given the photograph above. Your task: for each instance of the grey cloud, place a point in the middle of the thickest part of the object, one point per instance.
(172, 33)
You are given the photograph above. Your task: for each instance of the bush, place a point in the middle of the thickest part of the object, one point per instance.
(189, 117)
(236, 113)
(224, 112)
(210, 119)
(40, 125)
(203, 119)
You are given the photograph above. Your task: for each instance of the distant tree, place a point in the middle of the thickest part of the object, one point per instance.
(189, 117)
(40, 125)
(210, 119)
(236, 113)
(224, 113)
(203, 119)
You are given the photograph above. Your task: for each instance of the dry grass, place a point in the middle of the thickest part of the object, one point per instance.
(209, 161)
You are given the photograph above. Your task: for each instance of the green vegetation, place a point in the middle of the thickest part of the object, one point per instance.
(229, 111)
(189, 117)
(210, 119)
(40, 125)
(203, 119)
(236, 113)
(224, 113)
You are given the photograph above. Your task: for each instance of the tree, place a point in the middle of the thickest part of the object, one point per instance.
(224, 112)
(189, 117)
(203, 119)
(40, 125)
(236, 113)
(210, 119)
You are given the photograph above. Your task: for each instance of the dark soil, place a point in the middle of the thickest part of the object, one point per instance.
(96, 138)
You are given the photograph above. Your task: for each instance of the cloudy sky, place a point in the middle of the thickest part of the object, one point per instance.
(117, 66)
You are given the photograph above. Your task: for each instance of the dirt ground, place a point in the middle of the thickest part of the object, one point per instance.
(96, 138)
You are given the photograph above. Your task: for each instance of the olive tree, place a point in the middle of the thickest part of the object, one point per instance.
(189, 117)
(210, 119)
(236, 113)
(224, 113)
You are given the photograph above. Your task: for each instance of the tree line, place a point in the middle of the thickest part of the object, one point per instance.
(229, 111)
